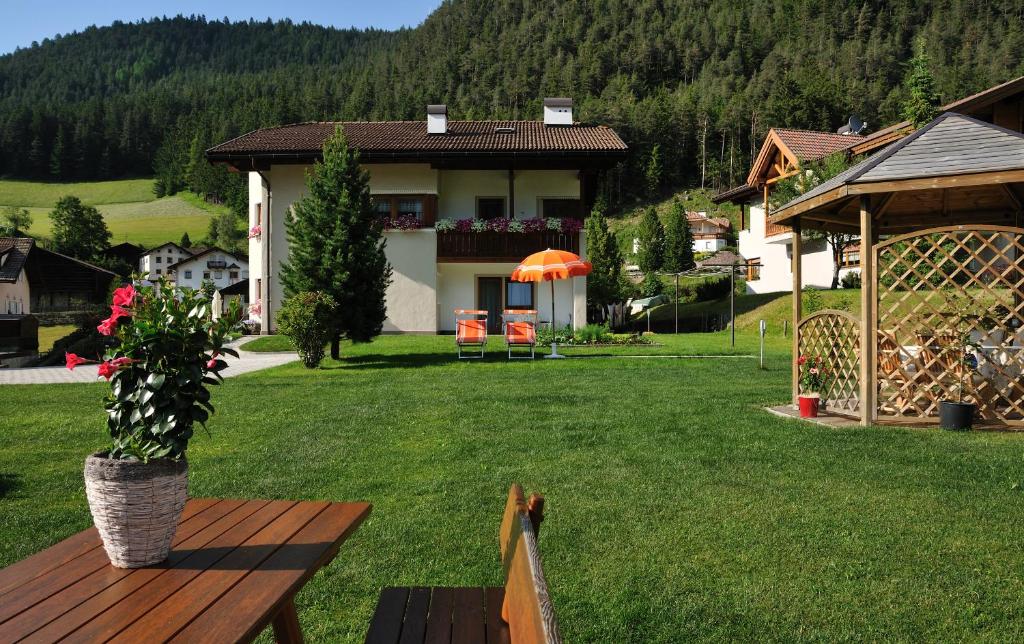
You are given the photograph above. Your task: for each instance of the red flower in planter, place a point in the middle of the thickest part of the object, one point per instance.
(73, 360)
(107, 369)
(124, 296)
(108, 326)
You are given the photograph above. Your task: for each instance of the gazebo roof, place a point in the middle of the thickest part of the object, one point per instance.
(956, 169)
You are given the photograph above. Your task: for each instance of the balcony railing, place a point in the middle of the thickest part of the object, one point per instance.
(770, 229)
(491, 246)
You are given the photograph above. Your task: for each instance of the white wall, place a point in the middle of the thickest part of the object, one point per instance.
(534, 185)
(411, 298)
(709, 245)
(219, 277)
(402, 178)
(15, 298)
(168, 254)
(459, 189)
(257, 195)
(775, 256)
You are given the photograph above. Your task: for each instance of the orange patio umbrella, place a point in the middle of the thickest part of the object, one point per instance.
(547, 266)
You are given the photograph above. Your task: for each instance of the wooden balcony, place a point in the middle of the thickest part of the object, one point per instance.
(770, 230)
(500, 247)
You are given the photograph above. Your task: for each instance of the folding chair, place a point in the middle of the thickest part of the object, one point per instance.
(470, 331)
(520, 331)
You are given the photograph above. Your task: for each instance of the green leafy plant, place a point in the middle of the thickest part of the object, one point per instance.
(166, 349)
(813, 376)
(851, 280)
(307, 319)
(563, 335)
(593, 334)
(958, 345)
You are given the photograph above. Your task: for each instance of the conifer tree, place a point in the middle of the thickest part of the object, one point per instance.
(185, 242)
(651, 253)
(604, 281)
(678, 240)
(336, 244)
(922, 106)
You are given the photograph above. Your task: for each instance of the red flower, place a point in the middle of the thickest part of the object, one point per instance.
(212, 364)
(119, 312)
(108, 369)
(108, 326)
(73, 360)
(124, 296)
(121, 362)
(802, 360)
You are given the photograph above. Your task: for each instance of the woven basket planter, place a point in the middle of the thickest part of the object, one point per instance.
(136, 507)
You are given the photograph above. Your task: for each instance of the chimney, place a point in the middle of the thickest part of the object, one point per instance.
(437, 119)
(557, 111)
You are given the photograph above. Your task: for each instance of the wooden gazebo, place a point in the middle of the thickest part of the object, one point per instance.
(939, 216)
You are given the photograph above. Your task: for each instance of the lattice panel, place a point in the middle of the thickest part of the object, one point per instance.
(928, 284)
(835, 337)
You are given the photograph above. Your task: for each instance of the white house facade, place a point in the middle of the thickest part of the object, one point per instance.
(211, 265)
(465, 201)
(154, 262)
(710, 234)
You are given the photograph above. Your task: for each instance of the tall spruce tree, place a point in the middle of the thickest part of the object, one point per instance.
(678, 240)
(922, 105)
(651, 235)
(605, 279)
(336, 245)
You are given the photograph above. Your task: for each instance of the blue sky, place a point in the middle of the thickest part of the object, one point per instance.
(25, 21)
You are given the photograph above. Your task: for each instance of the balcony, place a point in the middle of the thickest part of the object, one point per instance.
(217, 263)
(492, 246)
(770, 230)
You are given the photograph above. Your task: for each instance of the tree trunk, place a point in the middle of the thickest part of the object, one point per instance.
(837, 260)
(336, 347)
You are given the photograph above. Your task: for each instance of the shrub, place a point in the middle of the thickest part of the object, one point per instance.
(306, 318)
(593, 334)
(561, 336)
(812, 301)
(652, 285)
(851, 280)
(167, 349)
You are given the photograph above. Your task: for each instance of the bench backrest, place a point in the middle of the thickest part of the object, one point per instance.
(527, 608)
(520, 333)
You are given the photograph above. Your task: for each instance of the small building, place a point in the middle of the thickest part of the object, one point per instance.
(126, 254)
(154, 262)
(211, 265)
(710, 234)
(463, 202)
(36, 280)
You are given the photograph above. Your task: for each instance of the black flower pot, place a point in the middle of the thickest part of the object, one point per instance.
(956, 415)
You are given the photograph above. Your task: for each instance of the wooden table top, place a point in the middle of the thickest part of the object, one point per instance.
(233, 565)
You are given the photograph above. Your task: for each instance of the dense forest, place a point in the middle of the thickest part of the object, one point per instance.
(692, 86)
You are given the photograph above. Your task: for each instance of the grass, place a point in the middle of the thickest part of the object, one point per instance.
(50, 334)
(677, 509)
(129, 207)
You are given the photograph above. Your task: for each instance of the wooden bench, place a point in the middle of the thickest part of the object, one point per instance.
(519, 613)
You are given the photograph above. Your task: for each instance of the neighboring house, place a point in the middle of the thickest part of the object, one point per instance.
(237, 291)
(429, 174)
(125, 253)
(213, 265)
(709, 233)
(153, 263)
(36, 280)
(769, 245)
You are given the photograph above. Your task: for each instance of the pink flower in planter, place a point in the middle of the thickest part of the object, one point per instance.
(107, 369)
(108, 326)
(464, 225)
(124, 296)
(256, 308)
(73, 360)
(255, 232)
(571, 226)
(212, 363)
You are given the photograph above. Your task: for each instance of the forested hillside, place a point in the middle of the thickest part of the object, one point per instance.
(691, 86)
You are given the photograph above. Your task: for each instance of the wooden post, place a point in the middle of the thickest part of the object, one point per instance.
(511, 193)
(868, 319)
(797, 307)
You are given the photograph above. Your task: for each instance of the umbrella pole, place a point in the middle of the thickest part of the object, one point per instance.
(554, 345)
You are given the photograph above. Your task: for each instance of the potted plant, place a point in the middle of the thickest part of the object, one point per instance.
(958, 351)
(165, 351)
(812, 381)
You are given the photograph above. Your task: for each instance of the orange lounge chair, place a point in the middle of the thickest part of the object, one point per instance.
(470, 331)
(520, 331)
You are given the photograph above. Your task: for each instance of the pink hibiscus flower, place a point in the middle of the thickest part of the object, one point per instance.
(73, 360)
(124, 296)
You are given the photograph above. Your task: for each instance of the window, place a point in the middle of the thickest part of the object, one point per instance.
(518, 295)
(206, 275)
(754, 269)
(400, 206)
(188, 275)
(159, 260)
(490, 207)
(233, 275)
(158, 271)
(217, 275)
(851, 256)
(567, 208)
(259, 213)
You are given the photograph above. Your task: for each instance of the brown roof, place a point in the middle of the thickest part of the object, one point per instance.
(809, 145)
(13, 255)
(721, 222)
(389, 137)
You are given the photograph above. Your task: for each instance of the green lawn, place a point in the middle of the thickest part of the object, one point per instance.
(50, 334)
(677, 509)
(129, 207)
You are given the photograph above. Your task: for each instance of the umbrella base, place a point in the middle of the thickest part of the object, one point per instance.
(554, 352)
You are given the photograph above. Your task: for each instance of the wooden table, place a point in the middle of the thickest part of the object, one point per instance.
(234, 568)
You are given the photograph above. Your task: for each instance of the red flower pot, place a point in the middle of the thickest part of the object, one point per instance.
(809, 406)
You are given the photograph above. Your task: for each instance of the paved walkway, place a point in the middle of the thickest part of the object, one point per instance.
(246, 362)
